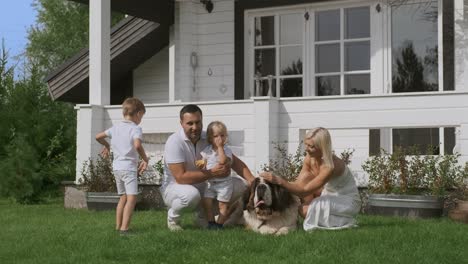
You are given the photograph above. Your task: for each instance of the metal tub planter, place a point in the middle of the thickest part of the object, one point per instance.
(413, 206)
(100, 201)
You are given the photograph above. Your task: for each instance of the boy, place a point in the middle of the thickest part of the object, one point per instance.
(126, 145)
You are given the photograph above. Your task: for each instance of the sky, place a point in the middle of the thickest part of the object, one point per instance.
(16, 17)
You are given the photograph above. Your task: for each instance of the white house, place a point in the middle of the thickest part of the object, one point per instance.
(376, 73)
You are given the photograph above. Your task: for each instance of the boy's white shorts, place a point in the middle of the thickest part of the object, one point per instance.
(220, 190)
(127, 182)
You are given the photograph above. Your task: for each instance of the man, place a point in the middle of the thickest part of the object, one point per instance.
(184, 183)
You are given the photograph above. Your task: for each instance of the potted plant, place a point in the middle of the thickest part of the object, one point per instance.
(97, 180)
(101, 193)
(410, 185)
(459, 198)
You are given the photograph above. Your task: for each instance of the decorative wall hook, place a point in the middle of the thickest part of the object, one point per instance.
(208, 5)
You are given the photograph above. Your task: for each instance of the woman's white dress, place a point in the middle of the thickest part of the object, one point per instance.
(337, 206)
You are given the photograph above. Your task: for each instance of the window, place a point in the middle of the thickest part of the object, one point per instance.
(429, 141)
(338, 48)
(416, 40)
(342, 51)
(278, 55)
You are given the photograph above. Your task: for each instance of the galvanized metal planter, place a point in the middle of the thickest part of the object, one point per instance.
(100, 201)
(413, 206)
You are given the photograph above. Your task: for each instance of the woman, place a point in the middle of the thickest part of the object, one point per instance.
(339, 202)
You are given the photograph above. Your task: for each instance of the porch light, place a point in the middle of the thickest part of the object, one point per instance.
(208, 5)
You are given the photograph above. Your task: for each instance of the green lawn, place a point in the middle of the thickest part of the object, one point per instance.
(48, 233)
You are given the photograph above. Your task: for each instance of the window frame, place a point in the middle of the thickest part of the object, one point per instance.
(387, 42)
(386, 137)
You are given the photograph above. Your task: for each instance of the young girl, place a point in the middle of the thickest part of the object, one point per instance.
(218, 188)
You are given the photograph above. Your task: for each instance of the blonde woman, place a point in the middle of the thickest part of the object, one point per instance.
(339, 202)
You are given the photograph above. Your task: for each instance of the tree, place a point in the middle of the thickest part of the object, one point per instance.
(61, 30)
(38, 135)
(409, 75)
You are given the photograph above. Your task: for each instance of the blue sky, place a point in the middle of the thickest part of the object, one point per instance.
(16, 17)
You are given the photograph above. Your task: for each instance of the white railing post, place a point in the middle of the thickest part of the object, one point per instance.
(266, 111)
(90, 121)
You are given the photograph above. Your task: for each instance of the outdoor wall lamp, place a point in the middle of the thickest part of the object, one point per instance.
(208, 5)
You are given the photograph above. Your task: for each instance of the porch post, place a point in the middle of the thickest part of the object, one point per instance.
(99, 52)
(461, 45)
(90, 121)
(266, 110)
(172, 69)
(462, 143)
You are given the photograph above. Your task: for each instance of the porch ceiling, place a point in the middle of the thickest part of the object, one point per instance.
(133, 40)
(151, 10)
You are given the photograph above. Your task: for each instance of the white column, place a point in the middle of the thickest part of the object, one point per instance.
(99, 52)
(266, 110)
(462, 142)
(461, 44)
(172, 69)
(90, 121)
(465, 45)
(186, 43)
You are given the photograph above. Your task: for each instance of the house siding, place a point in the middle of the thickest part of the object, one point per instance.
(211, 37)
(151, 79)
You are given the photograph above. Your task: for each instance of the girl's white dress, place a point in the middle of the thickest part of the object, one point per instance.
(338, 205)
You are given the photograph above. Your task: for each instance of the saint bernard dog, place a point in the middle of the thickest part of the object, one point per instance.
(270, 208)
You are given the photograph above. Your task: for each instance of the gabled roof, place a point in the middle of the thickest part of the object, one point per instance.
(133, 40)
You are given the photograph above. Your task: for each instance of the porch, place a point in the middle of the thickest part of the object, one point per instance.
(255, 124)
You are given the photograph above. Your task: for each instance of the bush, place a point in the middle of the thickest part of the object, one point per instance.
(37, 138)
(400, 173)
(288, 166)
(20, 169)
(97, 175)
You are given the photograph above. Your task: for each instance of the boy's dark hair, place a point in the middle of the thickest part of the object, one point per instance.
(190, 108)
(131, 106)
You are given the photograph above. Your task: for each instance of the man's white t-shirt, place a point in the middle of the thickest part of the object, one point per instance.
(179, 149)
(122, 136)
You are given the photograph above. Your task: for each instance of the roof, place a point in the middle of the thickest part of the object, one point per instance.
(133, 41)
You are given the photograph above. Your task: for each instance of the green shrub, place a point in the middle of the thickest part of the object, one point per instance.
(400, 173)
(288, 166)
(20, 170)
(97, 175)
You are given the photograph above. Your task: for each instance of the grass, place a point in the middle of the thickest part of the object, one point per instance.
(48, 233)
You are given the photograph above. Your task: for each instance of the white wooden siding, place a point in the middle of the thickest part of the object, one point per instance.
(151, 79)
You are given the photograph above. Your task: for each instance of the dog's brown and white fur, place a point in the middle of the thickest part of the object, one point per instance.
(270, 208)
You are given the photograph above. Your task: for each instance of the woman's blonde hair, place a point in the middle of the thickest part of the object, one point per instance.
(209, 131)
(322, 141)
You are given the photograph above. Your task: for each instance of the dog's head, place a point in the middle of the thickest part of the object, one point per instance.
(267, 199)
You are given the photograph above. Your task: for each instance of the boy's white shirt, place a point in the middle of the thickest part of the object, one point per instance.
(122, 136)
(212, 158)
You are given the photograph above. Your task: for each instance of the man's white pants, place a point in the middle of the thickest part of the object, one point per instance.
(186, 197)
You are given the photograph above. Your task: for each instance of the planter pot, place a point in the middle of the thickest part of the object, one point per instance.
(460, 213)
(462, 205)
(413, 206)
(101, 201)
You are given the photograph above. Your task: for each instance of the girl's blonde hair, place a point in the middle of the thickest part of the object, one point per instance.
(209, 131)
(322, 141)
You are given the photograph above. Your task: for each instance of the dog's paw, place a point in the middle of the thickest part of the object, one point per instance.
(283, 231)
(265, 230)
